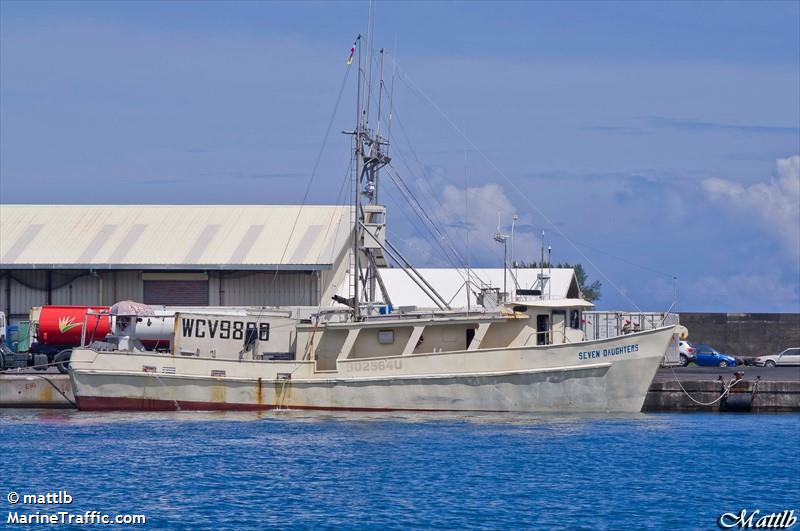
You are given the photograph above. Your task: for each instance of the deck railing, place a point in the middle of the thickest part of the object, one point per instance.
(603, 325)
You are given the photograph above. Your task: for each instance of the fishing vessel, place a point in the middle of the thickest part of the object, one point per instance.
(526, 354)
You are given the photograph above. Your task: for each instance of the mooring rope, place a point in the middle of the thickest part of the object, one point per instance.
(720, 397)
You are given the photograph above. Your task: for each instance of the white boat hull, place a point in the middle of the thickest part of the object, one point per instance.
(610, 375)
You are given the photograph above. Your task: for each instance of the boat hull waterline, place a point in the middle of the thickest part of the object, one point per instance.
(610, 375)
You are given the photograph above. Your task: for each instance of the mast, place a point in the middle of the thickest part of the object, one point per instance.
(369, 227)
(541, 270)
(356, 273)
(466, 224)
(499, 237)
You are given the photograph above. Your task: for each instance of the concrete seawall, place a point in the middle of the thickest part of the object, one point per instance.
(744, 334)
(748, 395)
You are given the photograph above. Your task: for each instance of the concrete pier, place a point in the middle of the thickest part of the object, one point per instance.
(746, 396)
(761, 389)
(36, 390)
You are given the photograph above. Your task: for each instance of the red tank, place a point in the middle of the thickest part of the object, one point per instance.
(63, 325)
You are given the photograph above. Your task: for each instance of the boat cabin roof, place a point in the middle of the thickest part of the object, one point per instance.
(552, 304)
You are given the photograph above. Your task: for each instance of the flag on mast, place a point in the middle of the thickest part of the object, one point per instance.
(353, 50)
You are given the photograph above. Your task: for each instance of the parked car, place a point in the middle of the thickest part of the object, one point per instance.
(707, 356)
(790, 356)
(687, 353)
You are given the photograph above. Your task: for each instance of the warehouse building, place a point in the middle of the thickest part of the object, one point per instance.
(195, 255)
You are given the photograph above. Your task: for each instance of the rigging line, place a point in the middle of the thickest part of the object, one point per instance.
(402, 266)
(626, 261)
(444, 234)
(462, 242)
(412, 198)
(427, 206)
(415, 226)
(422, 208)
(429, 192)
(555, 227)
(333, 214)
(445, 255)
(416, 158)
(316, 166)
(310, 179)
(441, 227)
(419, 210)
(415, 209)
(339, 198)
(457, 260)
(444, 251)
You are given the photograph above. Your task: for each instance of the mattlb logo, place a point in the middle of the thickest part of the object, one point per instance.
(65, 324)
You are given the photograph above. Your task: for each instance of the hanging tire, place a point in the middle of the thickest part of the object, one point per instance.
(61, 361)
(723, 364)
(684, 361)
(769, 364)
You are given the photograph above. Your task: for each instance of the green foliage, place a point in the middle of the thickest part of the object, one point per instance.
(590, 290)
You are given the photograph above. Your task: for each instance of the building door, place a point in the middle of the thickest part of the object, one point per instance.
(175, 289)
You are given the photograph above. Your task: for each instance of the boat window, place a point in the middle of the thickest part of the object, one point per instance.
(470, 336)
(386, 337)
(543, 329)
(575, 319)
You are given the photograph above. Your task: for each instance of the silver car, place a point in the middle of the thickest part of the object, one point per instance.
(790, 356)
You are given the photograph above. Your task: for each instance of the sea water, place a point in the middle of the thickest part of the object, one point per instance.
(190, 470)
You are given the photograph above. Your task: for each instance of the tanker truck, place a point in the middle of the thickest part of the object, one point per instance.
(54, 331)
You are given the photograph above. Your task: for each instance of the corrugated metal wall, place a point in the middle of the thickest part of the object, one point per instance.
(18, 299)
(24, 289)
(121, 285)
(264, 289)
(83, 290)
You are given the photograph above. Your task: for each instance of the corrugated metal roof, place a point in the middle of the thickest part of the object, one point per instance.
(450, 283)
(172, 236)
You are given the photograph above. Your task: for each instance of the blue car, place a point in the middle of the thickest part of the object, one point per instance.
(707, 356)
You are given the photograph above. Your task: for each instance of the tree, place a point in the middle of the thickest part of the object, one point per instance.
(590, 290)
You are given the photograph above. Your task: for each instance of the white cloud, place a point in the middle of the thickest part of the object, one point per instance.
(485, 203)
(775, 204)
(453, 219)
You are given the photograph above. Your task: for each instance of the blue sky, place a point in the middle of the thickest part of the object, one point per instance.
(662, 138)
